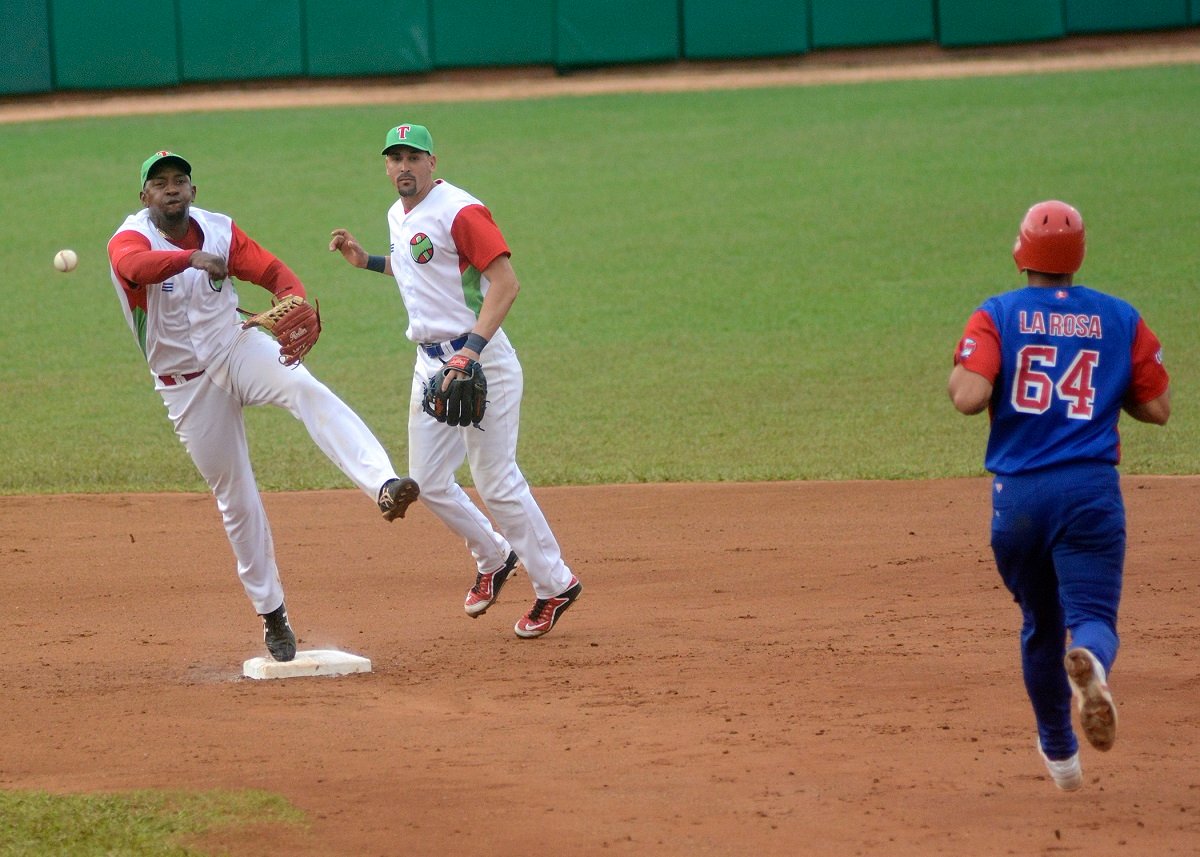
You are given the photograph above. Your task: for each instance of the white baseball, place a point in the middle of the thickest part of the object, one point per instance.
(66, 260)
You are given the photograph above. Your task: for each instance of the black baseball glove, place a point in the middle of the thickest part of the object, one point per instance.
(463, 400)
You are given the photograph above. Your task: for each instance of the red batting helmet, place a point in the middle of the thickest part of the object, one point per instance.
(1051, 239)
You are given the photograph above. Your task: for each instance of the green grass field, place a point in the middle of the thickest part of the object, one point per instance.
(745, 285)
(132, 824)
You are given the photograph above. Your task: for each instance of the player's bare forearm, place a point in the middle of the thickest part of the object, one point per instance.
(502, 292)
(969, 391)
(343, 242)
(1156, 411)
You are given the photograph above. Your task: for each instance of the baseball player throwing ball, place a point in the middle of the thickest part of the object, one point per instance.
(173, 267)
(452, 266)
(1055, 363)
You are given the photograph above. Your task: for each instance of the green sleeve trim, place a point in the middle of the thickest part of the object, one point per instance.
(472, 289)
(139, 319)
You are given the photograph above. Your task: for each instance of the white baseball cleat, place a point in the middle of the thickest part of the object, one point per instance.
(1089, 685)
(1066, 773)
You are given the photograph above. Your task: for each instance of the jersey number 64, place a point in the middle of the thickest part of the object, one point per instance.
(1033, 389)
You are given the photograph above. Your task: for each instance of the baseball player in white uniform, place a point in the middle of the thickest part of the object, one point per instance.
(173, 266)
(452, 266)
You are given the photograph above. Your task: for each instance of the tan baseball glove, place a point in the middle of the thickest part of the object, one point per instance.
(294, 322)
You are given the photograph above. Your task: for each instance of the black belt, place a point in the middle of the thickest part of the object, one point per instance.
(435, 349)
(172, 380)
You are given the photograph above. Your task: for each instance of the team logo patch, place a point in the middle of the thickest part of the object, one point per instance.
(967, 348)
(1061, 294)
(421, 248)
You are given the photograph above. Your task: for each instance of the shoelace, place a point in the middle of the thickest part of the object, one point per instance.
(276, 624)
(477, 589)
(538, 606)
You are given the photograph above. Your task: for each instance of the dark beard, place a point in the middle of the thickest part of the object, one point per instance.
(171, 224)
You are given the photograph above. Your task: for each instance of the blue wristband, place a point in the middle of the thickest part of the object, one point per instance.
(376, 264)
(475, 342)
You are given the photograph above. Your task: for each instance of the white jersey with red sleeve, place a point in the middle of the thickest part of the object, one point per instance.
(187, 320)
(438, 253)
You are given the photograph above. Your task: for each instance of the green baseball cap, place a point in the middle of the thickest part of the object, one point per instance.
(414, 136)
(163, 156)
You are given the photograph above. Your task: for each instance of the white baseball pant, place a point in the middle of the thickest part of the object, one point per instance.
(208, 419)
(436, 451)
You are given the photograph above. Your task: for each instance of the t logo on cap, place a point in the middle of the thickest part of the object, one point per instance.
(413, 136)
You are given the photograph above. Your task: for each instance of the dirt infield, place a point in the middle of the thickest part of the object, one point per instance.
(770, 669)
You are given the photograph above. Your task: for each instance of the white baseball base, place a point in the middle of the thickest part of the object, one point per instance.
(313, 662)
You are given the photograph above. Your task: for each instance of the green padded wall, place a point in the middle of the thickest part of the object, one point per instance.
(239, 39)
(986, 22)
(388, 37)
(718, 29)
(25, 47)
(48, 45)
(117, 43)
(492, 32)
(849, 23)
(1098, 16)
(600, 32)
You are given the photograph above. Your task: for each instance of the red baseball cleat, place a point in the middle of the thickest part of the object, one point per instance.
(487, 588)
(546, 611)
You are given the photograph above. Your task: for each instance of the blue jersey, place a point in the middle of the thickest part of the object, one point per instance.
(1063, 361)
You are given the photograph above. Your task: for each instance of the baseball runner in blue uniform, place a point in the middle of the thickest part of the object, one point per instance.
(1055, 364)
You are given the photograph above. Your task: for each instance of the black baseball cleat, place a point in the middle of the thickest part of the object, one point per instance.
(278, 634)
(396, 496)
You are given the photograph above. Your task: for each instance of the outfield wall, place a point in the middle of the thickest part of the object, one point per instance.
(49, 45)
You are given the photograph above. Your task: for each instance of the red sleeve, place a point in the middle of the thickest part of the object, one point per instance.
(248, 261)
(979, 348)
(1150, 379)
(134, 261)
(478, 237)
